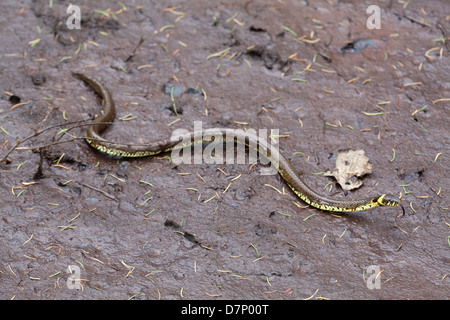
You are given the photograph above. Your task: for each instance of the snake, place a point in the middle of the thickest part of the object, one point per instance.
(281, 163)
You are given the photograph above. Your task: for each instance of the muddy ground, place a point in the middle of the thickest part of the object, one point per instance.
(149, 229)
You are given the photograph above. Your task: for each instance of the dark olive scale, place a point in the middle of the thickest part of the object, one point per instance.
(285, 169)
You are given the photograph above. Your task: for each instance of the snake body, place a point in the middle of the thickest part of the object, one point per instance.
(282, 164)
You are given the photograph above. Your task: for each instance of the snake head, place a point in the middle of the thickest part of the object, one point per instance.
(389, 200)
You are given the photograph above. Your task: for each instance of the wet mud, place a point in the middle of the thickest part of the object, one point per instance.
(75, 224)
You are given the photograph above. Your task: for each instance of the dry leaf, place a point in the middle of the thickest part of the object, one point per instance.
(350, 166)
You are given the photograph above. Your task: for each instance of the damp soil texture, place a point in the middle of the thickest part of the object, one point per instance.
(75, 224)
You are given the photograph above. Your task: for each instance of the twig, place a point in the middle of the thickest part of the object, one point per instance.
(19, 142)
(411, 19)
(38, 148)
(445, 36)
(98, 190)
(437, 193)
(141, 40)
